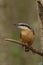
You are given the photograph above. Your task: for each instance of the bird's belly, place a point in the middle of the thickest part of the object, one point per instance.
(28, 38)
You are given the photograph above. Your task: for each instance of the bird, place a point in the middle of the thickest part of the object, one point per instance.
(26, 34)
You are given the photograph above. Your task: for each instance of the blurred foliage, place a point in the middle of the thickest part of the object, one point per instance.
(40, 63)
(16, 35)
(15, 51)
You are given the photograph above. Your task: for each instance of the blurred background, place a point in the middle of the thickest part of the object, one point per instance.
(14, 11)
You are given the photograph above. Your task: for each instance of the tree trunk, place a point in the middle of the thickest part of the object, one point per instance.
(40, 5)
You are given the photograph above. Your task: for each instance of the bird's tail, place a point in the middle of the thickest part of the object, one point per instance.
(26, 49)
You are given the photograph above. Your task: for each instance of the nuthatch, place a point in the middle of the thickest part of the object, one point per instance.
(26, 35)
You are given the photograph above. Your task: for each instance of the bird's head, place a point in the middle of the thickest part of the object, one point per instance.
(23, 26)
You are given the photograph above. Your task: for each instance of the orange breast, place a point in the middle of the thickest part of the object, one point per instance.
(27, 36)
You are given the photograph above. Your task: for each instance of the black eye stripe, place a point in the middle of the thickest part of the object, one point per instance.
(26, 26)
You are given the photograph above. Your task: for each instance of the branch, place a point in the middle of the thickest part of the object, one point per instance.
(20, 43)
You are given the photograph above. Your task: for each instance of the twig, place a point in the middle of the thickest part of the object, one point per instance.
(20, 43)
